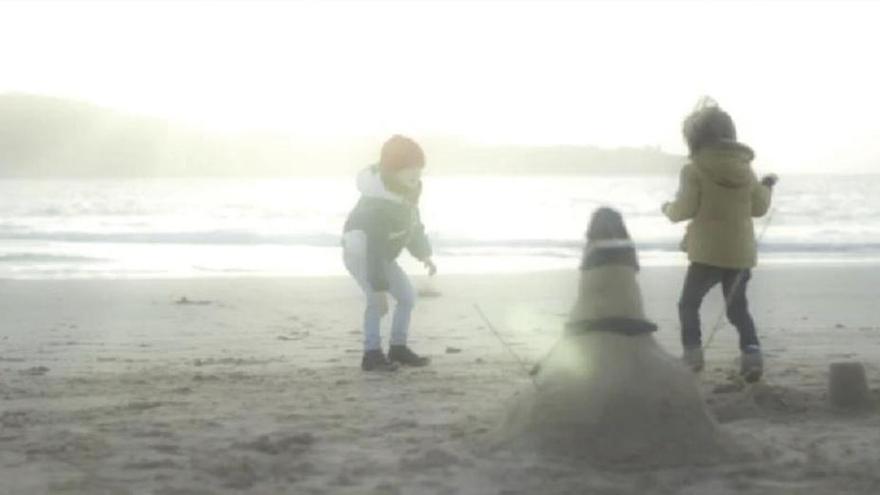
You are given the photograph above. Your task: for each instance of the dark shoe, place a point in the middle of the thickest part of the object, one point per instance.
(405, 356)
(693, 359)
(751, 365)
(376, 361)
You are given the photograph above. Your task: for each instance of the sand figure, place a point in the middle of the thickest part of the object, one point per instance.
(607, 393)
(848, 386)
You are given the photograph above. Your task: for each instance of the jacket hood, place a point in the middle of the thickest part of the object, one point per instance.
(371, 185)
(728, 164)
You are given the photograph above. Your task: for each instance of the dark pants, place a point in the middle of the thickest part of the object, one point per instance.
(699, 280)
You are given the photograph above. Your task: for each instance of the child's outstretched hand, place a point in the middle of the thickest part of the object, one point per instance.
(430, 266)
(770, 180)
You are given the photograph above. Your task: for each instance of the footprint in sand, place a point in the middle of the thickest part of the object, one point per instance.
(14, 419)
(35, 371)
(169, 449)
(435, 458)
(144, 465)
(184, 301)
(237, 473)
(294, 336)
(276, 444)
(198, 377)
(143, 405)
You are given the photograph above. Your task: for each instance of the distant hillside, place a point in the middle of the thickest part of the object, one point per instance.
(51, 137)
(462, 157)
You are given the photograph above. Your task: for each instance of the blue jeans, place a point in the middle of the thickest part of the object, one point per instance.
(399, 288)
(699, 281)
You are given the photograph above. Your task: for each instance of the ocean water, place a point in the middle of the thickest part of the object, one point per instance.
(280, 227)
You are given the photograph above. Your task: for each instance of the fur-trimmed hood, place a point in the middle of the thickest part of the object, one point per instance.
(727, 164)
(371, 185)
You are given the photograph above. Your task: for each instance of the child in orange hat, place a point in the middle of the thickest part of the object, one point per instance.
(384, 222)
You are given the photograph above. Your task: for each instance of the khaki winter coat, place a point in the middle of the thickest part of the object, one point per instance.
(720, 194)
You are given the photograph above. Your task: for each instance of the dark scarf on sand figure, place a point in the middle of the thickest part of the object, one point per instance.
(609, 298)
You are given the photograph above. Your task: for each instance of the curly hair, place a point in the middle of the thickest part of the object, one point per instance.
(708, 124)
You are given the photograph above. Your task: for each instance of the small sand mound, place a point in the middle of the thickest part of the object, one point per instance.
(615, 401)
(762, 401)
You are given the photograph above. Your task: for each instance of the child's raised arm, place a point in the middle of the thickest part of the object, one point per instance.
(688, 198)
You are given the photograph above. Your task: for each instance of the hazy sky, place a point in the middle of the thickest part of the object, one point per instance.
(800, 79)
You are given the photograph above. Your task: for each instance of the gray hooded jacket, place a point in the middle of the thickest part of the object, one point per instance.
(390, 223)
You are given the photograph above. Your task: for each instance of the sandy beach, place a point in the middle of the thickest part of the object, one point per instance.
(201, 386)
